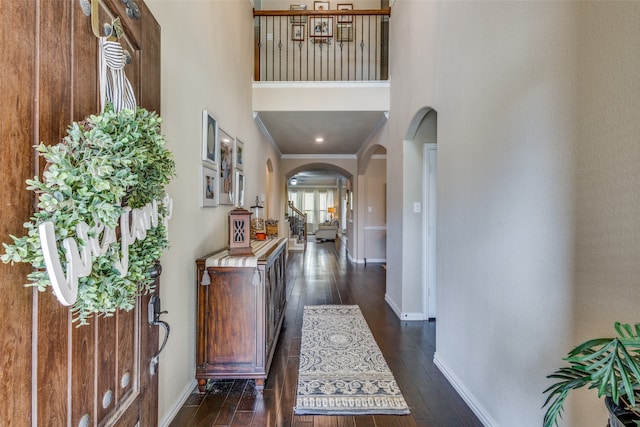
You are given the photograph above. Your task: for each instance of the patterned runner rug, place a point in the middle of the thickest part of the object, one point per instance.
(342, 371)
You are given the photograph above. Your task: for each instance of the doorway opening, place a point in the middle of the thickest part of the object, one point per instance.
(421, 161)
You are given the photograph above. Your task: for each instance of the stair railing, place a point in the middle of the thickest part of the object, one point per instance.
(297, 224)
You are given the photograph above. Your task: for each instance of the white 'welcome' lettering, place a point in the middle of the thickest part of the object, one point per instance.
(79, 261)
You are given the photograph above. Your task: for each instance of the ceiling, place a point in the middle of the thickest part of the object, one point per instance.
(315, 178)
(343, 133)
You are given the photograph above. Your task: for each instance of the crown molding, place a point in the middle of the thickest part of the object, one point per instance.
(375, 130)
(318, 156)
(265, 132)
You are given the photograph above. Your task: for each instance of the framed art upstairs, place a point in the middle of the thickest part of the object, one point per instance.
(331, 43)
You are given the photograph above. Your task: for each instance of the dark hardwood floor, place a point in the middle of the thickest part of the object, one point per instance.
(323, 275)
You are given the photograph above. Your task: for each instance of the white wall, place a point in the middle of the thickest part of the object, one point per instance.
(207, 63)
(538, 206)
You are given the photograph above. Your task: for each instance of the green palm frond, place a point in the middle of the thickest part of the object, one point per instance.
(610, 365)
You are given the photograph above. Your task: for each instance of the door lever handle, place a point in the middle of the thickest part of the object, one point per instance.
(154, 320)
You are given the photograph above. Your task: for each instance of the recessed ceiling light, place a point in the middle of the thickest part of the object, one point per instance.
(319, 139)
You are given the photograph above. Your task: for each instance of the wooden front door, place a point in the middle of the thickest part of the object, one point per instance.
(52, 372)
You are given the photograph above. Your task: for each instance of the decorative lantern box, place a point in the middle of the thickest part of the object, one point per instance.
(240, 232)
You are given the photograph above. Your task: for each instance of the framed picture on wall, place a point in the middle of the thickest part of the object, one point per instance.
(209, 138)
(238, 155)
(345, 19)
(226, 143)
(239, 196)
(301, 19)
(344, 32)
(209, 184)
(321, 26)
(297, 32)
(320, 5)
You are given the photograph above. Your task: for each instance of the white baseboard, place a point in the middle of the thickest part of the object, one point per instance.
(370, 261)
(413, 317)
(476, 407)
(402, 316)
(186, 392)
(393, 305)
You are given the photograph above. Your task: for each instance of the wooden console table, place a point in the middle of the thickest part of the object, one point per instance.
(240, 310)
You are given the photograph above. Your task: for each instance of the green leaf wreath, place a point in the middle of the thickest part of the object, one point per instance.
(105, 163)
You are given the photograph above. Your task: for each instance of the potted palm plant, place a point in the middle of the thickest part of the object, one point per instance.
(609, 365)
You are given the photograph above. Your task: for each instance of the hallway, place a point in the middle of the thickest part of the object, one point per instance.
(322, 275)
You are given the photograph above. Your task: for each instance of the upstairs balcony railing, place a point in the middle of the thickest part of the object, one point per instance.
(321, 45)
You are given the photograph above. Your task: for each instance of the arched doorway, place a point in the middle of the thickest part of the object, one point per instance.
(319, 190)
(421, 161)
(372, 173)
